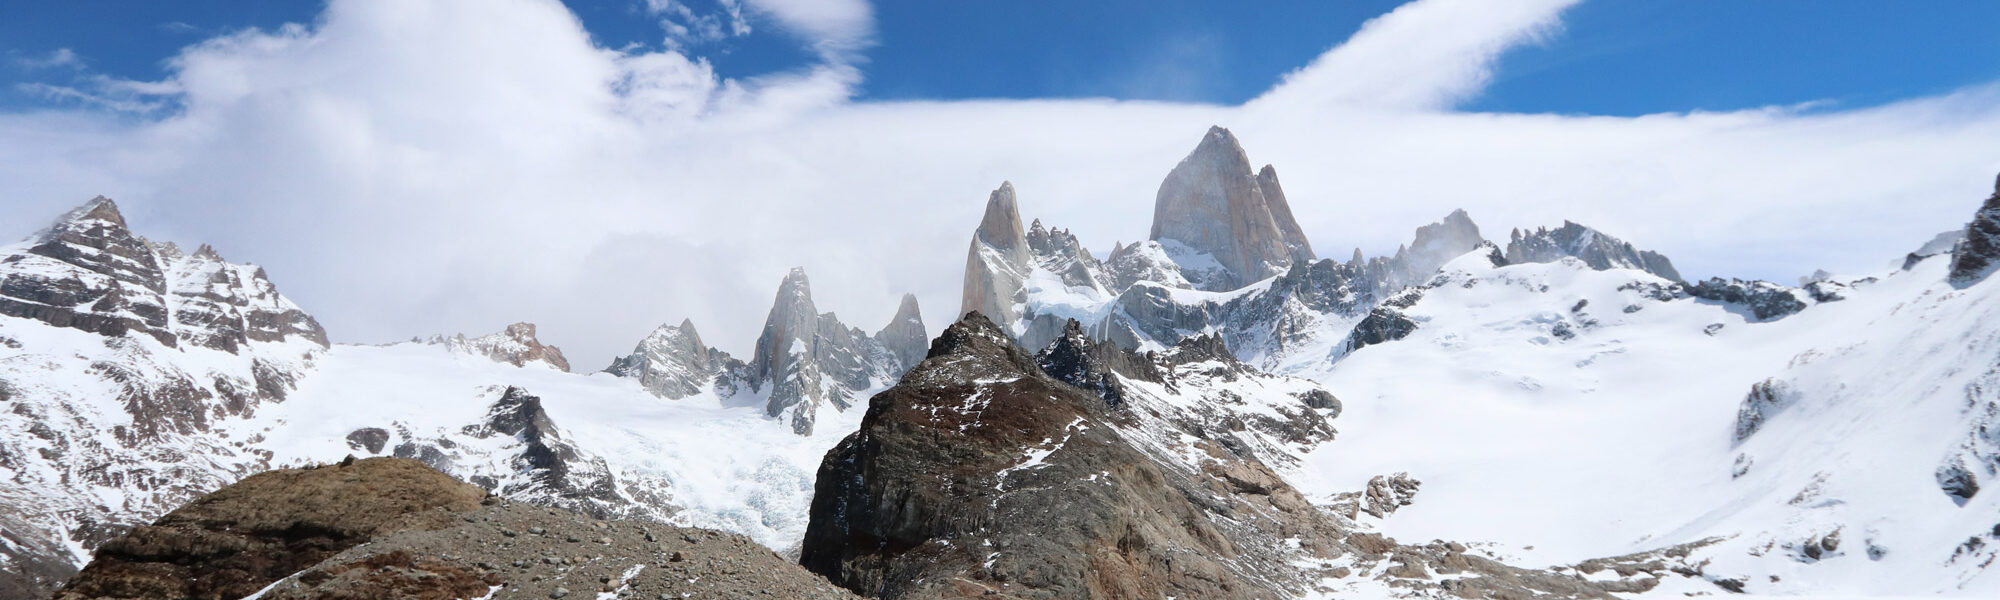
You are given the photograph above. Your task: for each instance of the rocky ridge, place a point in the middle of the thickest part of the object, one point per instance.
(804, 359)
(384, 527)
(983, 474)
(516, 345)
(1594, 248)
(123, 355)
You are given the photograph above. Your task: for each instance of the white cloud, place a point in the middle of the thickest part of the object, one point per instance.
(60, 57)
(412, 167)
(1422, 55)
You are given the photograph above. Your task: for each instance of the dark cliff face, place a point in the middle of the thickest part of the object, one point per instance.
(980, 473)
(1974, 257)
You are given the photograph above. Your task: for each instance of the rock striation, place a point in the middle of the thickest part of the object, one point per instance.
(1975, 256)
(138, 353)
(88, 271)
(1214, 205)
(1589, 245)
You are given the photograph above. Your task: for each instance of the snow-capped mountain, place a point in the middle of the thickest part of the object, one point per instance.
(804, 359)
(137, 377)
(119, 361)
(1565, 414)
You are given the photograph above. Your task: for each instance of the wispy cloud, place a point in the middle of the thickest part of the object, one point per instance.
(408, 167)
(58, 58)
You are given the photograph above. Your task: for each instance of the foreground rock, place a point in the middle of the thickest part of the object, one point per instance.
(983, 475)
(392, 528)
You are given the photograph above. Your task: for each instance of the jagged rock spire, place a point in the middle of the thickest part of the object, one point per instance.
(1213, 203)
(905, 336)
(1281, 212)
(997, 262)
(1975, 256)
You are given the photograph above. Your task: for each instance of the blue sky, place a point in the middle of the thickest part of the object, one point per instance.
(1627, 57)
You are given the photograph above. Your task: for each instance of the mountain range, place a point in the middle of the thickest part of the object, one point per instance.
(1213, 412)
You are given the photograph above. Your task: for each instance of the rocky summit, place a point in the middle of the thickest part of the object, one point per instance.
(804, 359)
(981, 474)
(1213, 204)
(1594, 248)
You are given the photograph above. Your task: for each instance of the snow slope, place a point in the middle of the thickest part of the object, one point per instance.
(726, 465)
(1565, 413)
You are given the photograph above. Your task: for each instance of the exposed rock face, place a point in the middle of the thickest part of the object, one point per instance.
(163, 348)
(1764, 300)
(233, 542)
(1281, 212)
(996, 264)
(1766, 398)
(515, 345)
(1212, 203)
(518, 451)
(1591, 246)
(392, 528)
(1384, 323)
(1434, 245)
(1974, 257)
(87, 271)
(805, 359)
(802, 350)
(986, 472)
(1032, 494)
(905, 336)
(673, 363)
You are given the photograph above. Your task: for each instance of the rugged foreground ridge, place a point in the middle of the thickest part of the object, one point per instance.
(981, 475)
(394, 528)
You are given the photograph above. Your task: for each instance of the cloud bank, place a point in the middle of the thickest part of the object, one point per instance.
(411, 167)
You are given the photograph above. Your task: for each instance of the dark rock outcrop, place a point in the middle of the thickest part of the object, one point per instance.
(1593, 247)
(1975, 256)
(1764, 300)
(981, 474)
(1384, 323)
(988, 473)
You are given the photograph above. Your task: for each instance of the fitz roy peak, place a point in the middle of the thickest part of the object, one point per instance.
(1213, 204)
